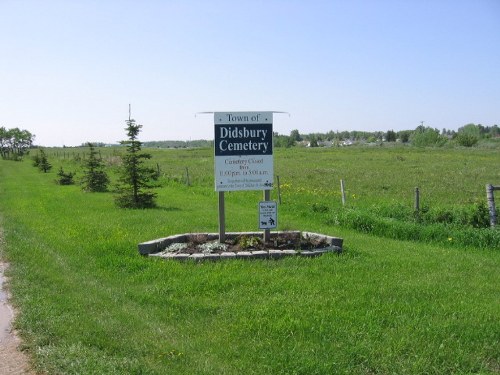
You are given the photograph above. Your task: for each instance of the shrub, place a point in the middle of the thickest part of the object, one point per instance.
(466, 140)
(427, 137)
(65, 178)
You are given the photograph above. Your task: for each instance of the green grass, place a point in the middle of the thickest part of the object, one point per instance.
(89, 303)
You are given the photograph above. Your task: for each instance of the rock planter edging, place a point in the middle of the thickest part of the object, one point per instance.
(154, 248)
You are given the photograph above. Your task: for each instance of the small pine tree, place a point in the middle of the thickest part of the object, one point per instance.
(42, 162)
(36, 161)
(134, 187)
(95, 178)
(65, 178)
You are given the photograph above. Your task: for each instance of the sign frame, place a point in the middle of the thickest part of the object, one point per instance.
(243, 151)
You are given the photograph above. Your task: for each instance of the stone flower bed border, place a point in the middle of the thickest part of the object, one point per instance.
(154, 248)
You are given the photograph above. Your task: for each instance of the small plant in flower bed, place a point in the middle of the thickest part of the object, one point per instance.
(248, 242)
(210, 247)
(284, 241)
(201, 243)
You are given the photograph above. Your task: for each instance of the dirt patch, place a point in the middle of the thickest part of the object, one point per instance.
(12, 360)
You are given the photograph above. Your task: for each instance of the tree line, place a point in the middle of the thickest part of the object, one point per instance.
(422, 136)
(15, 143)
(179, 144)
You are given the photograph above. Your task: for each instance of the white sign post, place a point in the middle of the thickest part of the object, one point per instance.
(243, 146)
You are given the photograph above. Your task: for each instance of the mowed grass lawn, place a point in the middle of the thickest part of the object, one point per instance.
(89, 304)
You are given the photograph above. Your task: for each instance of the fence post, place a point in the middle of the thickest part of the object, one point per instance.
(491, 204)
(342, 191)
(187, 177)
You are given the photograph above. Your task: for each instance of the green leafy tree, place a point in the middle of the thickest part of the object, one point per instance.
(494, 131)
(469, 135)
(95, 179)
(283, 141)
(427, 137)
(390, 136)
(4, 142)
(466, 140)
(295, 135)
(404, 135)
(472, 129)
(313, 141)
(134, 188)
(15, 143)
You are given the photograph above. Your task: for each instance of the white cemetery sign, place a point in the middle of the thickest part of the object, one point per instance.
(243, 147)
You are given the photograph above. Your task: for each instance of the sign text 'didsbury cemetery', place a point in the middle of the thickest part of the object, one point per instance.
(243, 151)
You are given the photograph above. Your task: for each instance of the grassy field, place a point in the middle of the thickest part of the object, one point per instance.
(90, 304)
(372, 174)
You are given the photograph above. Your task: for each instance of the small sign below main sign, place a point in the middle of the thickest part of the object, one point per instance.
(268, 215)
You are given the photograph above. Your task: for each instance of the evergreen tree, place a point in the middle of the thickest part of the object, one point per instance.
(42, 162)
(65, 178)
(94, 178)
(134, 189)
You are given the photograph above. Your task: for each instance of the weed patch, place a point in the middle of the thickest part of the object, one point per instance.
(461, 227)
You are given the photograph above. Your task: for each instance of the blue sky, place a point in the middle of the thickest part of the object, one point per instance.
(69, 69)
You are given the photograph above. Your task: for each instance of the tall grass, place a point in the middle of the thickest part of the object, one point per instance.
(413, 230)
(89, 303)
